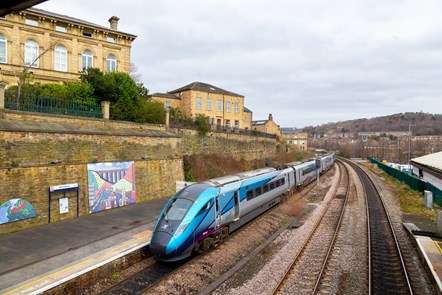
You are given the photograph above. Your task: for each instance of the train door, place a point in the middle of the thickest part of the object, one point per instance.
(236, 206)
(217, 214)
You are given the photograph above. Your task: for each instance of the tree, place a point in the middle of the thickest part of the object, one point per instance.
(124, 95)
(95, 77)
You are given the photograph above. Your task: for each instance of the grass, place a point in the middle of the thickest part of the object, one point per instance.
(411, 201)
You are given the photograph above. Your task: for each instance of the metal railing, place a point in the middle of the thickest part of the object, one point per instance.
(40, 104)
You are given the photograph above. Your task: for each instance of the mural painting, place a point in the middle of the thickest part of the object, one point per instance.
(15, 210)
(111, 185)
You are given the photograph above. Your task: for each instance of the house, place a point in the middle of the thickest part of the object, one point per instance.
(267, 126)
(225, 109)
(294, 137)
(56, 47)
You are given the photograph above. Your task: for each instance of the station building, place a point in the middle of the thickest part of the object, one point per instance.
(225, 109)
(56, 48)
(429, 168)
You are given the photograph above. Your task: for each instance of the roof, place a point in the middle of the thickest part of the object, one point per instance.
(166, 95)
(74, 20)
(432, 161)
(260, 122)
(199, 86)
(288, 128)
(247, 110)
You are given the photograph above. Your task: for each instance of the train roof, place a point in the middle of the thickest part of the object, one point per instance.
(253, 173)
(216, 182)
(193, 191)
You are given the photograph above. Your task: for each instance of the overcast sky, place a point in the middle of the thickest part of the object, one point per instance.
(307, 62)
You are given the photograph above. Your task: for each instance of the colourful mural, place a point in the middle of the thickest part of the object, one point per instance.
(111, 185)
(15, 210)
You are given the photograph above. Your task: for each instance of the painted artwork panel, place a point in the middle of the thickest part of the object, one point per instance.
(111, 185)
(16, 210)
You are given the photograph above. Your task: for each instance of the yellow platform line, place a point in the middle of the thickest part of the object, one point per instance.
(139, 237)
(438, 246)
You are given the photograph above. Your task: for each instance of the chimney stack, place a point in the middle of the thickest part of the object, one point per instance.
(270, 117)
(114, 22)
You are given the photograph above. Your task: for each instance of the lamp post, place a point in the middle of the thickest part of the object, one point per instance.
(409, 147)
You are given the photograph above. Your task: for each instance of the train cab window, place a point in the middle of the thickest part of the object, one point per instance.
(278, 183)
(282, 181)
(205, 207)
(272, 185)
(265, 188)
(177, 209)
(249, 195)
(257, 191)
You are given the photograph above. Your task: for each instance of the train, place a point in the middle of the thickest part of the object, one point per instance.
(203, 214)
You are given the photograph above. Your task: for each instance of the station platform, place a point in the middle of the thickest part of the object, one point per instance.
(35, 260)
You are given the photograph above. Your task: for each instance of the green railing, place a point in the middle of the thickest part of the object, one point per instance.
(411, 180)
(34, 103)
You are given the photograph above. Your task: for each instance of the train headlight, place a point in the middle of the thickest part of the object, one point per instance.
(181, 229)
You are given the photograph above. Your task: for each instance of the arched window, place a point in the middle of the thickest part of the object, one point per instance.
(61, 58)
(111, 63)
(3, 48)
(31, 53)
(87, 59)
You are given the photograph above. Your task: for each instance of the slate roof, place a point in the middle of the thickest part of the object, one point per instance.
(260, 122)
(432, 161)
(247, 110)
(166, 95)
(199, 86)
(74, 20)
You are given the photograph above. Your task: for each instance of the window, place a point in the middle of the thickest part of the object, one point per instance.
(228, 106)
(265, 188)
(219, 105)
(228, 123)
(236, 124)
(31, 22)
(209, 104)
(61, 28)
(61, 57)
(31, 53)
(236, 107)
(249, 195)
(111, 63)
(167, 104)
(177, 209)
(87, 59)
(199, 103)
(111, 39)
(272, 185)
(87, 34)
(257, 191)
(3, 47)
(205, 207)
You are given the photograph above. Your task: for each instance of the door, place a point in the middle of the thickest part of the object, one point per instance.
(236, 206)
(217, 214)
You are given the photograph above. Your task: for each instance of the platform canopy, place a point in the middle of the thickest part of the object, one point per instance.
(432, 161)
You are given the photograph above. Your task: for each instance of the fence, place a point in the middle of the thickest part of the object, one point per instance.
(411, 180)
(35, 103)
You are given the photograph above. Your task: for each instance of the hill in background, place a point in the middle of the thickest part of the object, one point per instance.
(424, 124)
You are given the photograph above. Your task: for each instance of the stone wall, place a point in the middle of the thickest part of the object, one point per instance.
(39, 151)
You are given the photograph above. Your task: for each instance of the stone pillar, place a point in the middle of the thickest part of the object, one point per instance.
(439, 222)
(167, 118)
(428, 196)
(2, 95)
(105, 109)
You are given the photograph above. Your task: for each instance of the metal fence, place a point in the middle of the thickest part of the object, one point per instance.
(40, 104)
(411, 180)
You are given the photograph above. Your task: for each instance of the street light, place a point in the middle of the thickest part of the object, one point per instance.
(409, 147)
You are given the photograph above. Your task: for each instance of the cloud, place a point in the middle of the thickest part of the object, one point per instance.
(306, 62)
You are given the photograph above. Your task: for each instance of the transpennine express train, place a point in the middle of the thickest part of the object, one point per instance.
(205, 213)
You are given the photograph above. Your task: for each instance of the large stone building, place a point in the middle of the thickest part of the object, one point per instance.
(225, 109)
(294, 137)
(56, 47)
(267, 126)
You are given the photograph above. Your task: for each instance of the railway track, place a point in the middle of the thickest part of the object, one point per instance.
(305, 273)
(387, 272)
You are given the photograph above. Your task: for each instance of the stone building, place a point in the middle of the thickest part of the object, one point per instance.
(225, 109)
(294, 137)
(56, 47)
(267, 126)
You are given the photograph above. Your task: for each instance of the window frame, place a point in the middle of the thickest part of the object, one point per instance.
(111, 63)
(60, 55)
(199, 103)
(209, 104)
(85, 57)
(31, 53)
(227, 106)
(236, 107)
(3, 42)
(219, 105)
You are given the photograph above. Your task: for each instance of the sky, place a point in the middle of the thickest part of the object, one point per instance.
(307, 62)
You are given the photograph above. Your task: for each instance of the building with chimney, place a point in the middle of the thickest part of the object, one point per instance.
(225, 109)
(294, 137)
(56, 48)
(267, 126)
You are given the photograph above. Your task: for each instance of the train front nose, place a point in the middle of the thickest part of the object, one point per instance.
(163, 244)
